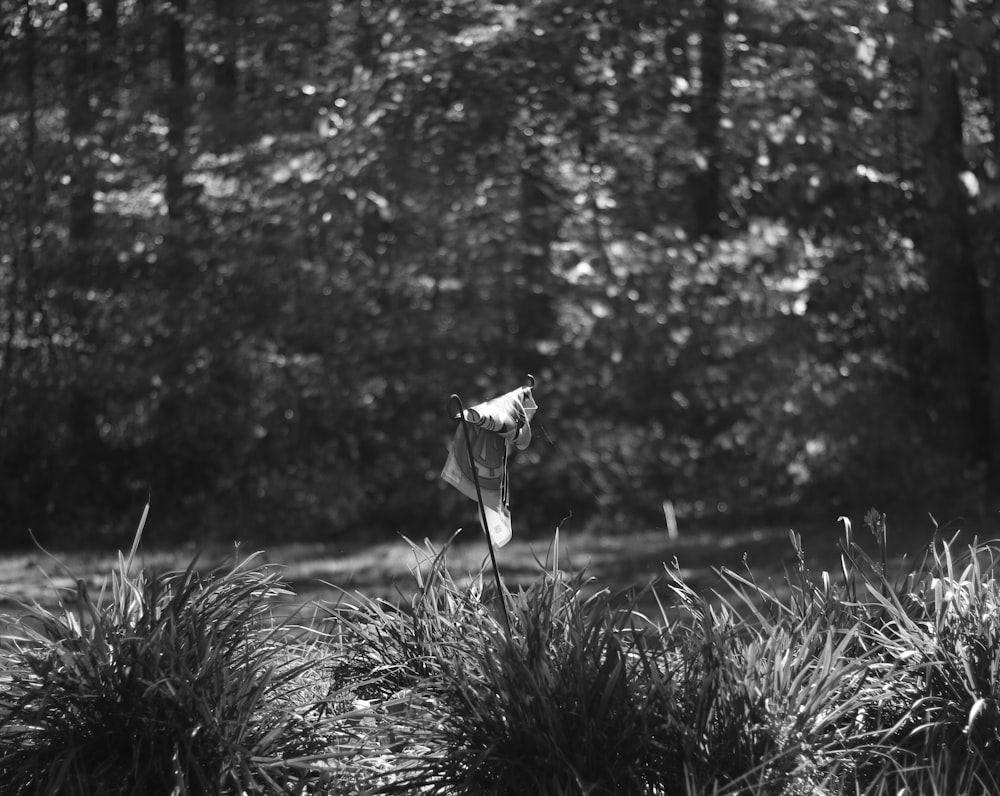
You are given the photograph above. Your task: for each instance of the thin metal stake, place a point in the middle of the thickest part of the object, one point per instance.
(482, 508)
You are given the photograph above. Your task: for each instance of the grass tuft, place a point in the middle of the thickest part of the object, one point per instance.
(174, 683)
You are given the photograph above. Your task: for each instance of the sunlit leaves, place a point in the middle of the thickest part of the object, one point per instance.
(391, 201)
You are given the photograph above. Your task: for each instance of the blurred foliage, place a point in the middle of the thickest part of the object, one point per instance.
(247, 252)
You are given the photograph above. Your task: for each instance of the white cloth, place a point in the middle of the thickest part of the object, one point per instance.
(495, 428)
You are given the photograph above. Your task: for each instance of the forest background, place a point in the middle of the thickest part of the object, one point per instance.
(248, 248)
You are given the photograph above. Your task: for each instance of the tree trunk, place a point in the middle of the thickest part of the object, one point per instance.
(534, 315)
(990, 261)
(140, 44)
(948, 245)
(80, 124)
(226, 72)
(366, 41)
(109, 52)
(707, 116)
(22, 262)
(225, 122)
(175, 167)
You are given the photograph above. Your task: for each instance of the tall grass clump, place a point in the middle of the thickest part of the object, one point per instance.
(178, 683)
(551, 705)
(941, 726)
(770, 690)
(586, 695)
(558, 706)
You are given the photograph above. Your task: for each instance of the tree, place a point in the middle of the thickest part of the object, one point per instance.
(948, 246)
(175, 162)
(706, 185)
(712, 231)
(79, 64)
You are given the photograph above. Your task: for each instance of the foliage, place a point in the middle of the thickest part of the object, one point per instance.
(820, 687)
(875, 680)
(942, 722)
(247, 254)
(176, 683)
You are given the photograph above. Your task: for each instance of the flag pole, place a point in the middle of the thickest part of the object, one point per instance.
(454, 401)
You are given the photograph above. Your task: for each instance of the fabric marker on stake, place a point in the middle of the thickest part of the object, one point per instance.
(457, 402)
(477, 464)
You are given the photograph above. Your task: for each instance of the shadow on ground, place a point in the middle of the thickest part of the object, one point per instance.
(326, 574)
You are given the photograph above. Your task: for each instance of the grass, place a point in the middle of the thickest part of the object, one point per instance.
(176, 683)
(877, 678)
(619, 561)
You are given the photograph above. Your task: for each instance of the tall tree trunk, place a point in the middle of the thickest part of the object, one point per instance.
(177, 109)
(366, 39)
(80, 124)
(225, 76)
(707, 117)
(534, 314)
(22, 263)
(109, 51)
(140, 41)
(226, 72)
(947, 244)
(990, 259)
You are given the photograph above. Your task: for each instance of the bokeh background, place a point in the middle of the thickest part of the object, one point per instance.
(248, 248)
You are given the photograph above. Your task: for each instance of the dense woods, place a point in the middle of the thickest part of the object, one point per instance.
(248, 249)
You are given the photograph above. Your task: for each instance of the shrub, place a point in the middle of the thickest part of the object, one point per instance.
(942, 723)
(581, 696)
(555, 704)
(178, 683)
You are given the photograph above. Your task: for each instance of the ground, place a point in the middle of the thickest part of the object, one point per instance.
(619, 562)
